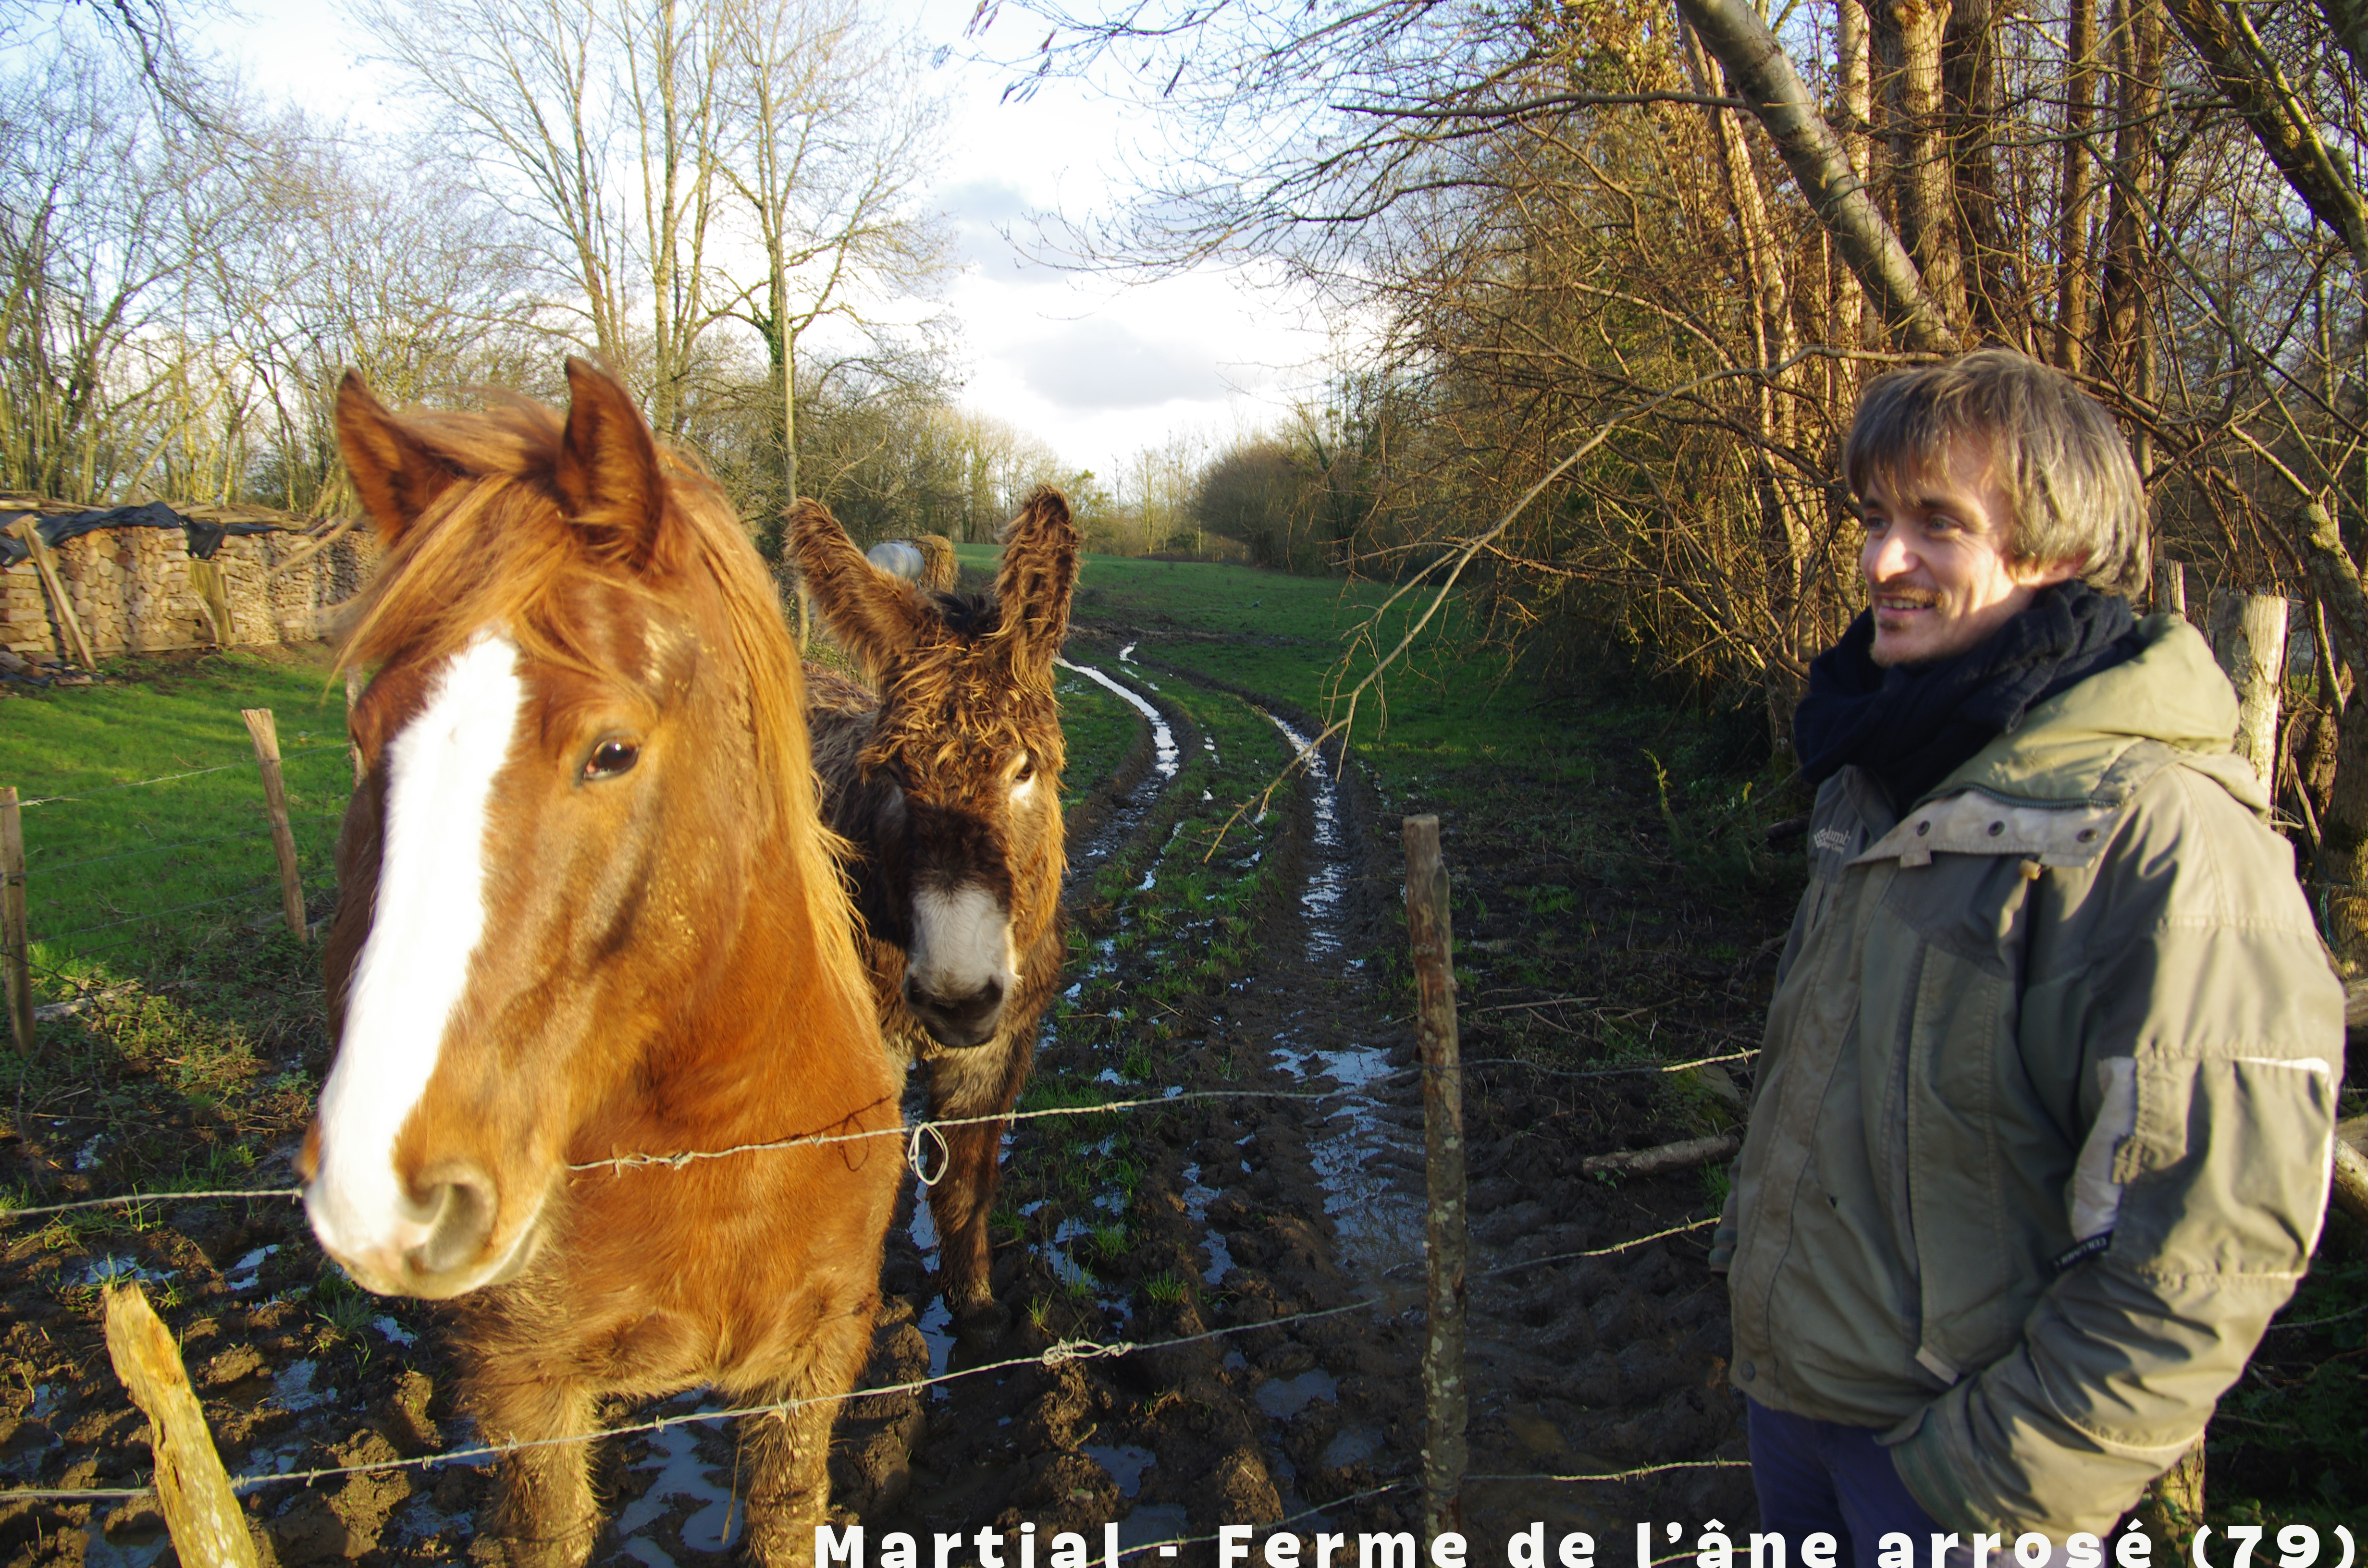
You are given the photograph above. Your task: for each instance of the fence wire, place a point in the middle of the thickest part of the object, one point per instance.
(32, 872)
(1060, 1354)
(169, 778)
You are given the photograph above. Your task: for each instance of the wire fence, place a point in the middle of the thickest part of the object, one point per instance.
(61, 891)
(1061, 1352)
(916, 1135)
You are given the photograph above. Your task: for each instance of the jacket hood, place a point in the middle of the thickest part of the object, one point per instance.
(2073, 746)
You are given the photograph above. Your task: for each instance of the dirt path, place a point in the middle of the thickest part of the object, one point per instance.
(1279, 1215)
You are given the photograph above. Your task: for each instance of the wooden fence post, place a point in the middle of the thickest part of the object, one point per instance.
(1445, 1395)
(14, 936)
(2170, 584)
(2248, 638)
(45, 567)
(208, 1527)
(266, 734)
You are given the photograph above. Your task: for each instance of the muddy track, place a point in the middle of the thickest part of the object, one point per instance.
(1244, 1215)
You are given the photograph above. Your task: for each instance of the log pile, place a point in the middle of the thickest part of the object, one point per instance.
(138, 590)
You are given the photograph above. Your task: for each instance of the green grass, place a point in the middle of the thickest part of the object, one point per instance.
(1100, 730)
(113, 865)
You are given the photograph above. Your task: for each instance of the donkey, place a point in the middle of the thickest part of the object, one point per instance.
(587, 910)
(948, 784)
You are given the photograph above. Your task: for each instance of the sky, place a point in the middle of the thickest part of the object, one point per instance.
(1095, 366)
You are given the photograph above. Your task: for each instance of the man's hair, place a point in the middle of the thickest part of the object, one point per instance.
(2071, 486)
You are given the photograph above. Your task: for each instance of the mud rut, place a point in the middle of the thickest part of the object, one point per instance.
(1242, 1215)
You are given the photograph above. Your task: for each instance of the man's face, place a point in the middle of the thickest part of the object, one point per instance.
(1935, 561)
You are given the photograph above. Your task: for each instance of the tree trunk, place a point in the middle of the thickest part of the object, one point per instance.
(1738, 39)
(1907, 45)
(1969, 88)
(2339, 869)
(2248, 638)
(2129, 329)
(2076, 178)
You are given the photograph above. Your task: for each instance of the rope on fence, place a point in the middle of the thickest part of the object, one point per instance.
(169, 778)
(1058, 1354)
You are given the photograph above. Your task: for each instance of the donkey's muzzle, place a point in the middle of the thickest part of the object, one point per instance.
(959, 1021)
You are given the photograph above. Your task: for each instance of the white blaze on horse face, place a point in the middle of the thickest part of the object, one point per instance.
(414, 967)
(962, 940)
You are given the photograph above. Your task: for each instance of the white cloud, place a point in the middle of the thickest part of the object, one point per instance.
(1099, 364)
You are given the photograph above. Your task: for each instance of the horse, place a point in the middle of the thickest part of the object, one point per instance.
(588, 910)
(947, 782)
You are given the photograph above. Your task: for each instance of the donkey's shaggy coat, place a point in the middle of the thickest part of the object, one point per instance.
(948, 783)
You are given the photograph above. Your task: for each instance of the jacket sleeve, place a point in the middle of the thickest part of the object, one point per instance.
(2209, 1030)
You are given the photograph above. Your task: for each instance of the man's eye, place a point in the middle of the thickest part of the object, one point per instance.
(611, 759)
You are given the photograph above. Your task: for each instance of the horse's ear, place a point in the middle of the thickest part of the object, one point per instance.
(875, 616)
(609, 475)
(1039, 572)
(396, 475)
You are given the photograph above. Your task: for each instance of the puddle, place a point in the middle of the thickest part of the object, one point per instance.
(1379, 1225)
(1165, 760)
(135, 1551)
(1057, 1254)
(111, 1269)
(1197, 1199)
(242, 1275)
(937, 1327)
(394, 1332)
(1125, 1463)
(1283, 1398)
(1352, 1444)
(1152, 1523)
(681, 1477)
(292, 1390)
(1320, 901)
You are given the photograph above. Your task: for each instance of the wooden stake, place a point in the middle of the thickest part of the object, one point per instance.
(13, 939)
(45, 566)
(209, 1527)
(1445, 1394)
(2170, 585)
(1664, 1157)
(266, 734)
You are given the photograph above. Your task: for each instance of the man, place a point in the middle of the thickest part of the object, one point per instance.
(2042, 1132)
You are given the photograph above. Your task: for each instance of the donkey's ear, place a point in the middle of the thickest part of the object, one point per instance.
(396, 475)
(1034, 585)
(875, 616)
(609, 475)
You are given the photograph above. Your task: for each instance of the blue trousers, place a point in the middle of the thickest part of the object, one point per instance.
(1820, 1475)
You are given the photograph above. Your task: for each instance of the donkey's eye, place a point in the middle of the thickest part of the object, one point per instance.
(1026, 771)
(611, 759)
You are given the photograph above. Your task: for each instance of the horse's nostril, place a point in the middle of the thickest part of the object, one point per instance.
(461, 1212)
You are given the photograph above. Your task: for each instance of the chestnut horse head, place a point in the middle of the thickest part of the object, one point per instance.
(584, 868)
(954, 794)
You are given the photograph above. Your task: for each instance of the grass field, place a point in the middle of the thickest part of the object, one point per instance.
(143, 810)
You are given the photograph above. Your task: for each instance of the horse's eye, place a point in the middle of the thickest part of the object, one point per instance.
(611, 759)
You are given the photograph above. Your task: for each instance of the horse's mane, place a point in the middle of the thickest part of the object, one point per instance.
(498, 546)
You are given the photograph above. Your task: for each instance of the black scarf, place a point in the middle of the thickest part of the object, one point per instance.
(1912, 725)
